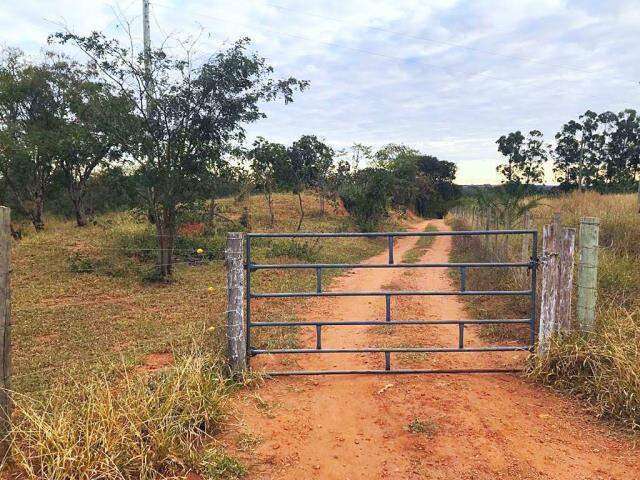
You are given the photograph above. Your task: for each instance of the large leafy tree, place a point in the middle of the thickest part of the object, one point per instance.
(525, 158)
(623, 149)
(91, 118)
(186, 117)
(437, 189)
(511, 147)
(30, 106)
(567, 154)
(578, 152)
(401, 160)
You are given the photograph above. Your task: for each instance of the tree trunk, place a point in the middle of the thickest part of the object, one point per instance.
(77, 198)
(37, 213)
(321, 203)
(301, 210)
(272, 218)
(165, 232)
(638, 195)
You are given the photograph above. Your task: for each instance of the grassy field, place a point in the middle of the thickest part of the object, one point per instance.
(603, 368)
(87, 317)
(81, 298)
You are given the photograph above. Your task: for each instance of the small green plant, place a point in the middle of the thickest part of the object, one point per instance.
(247, 441)
(426, 427)
(81, 263)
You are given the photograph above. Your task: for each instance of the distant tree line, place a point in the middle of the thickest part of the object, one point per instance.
(597, 151)
(397, 176)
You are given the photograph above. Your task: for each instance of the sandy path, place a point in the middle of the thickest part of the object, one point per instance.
(477, 427)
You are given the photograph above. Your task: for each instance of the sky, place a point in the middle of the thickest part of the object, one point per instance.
(446, 77)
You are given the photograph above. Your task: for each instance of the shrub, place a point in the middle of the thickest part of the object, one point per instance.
(366, 196)
(302, 250)
(137, 428)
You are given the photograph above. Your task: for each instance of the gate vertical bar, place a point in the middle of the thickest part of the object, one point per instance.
(248, 296)
(390, 241)
(318, 337)
(387, 309)
(534, 285)
(318, 280)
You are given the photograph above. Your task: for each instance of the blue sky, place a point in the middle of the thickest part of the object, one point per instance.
(447, 77)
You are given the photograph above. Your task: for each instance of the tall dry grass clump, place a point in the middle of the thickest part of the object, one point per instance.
(139, 427)
(602, 368)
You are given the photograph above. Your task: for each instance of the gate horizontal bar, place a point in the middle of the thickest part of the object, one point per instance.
(389, 372)
(388, 234)
(393, 350)
(393, 322)
(258, 266)
(392, 293)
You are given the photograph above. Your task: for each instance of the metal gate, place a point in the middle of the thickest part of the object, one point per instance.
(388, 321)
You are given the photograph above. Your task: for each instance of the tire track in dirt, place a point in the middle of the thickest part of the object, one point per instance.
(475, 427)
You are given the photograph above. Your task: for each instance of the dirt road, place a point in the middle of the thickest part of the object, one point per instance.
(417, 426)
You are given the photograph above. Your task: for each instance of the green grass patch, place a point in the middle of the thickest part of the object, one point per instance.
(421, 247)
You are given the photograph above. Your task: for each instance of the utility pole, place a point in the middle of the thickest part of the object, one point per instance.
(146, 34)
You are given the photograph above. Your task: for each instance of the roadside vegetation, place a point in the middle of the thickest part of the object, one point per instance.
(602, 368)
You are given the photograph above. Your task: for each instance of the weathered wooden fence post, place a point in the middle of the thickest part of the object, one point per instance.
(5, 325)
(588, 273)
(566, 242)
(236, 334)
(549, 294)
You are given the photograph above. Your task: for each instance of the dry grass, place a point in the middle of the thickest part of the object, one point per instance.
(135, 427)
(602, 368)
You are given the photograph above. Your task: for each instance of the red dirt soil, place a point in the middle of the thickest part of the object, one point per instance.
(482, 426)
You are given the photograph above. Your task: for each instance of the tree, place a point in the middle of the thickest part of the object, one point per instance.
(309, 163)
(267, 161)
(511, 147)
(185, 118)
(312, 160)
(359, 153)
(567, 154)
(436, 186)
(90, 118)
(580, 153)
(623, 150)
(401, 160)
(419, 182)
(29, 126)
(535, 155)
(525, 158)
